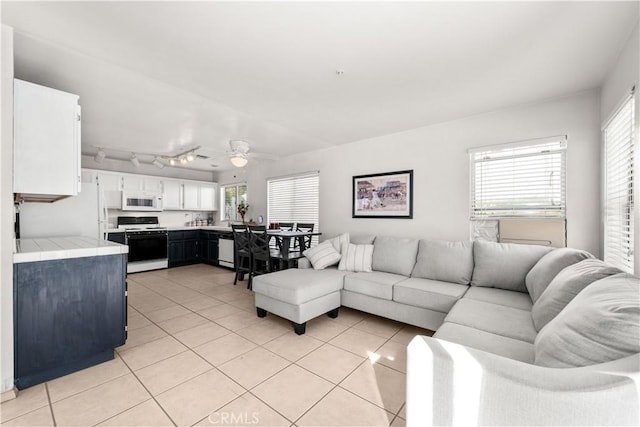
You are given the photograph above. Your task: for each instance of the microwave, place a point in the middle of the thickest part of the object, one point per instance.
(141, 201)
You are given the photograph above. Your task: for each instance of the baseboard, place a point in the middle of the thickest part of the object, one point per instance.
(8, 395)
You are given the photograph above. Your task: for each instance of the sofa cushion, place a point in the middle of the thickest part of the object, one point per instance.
(504, 265)
(448, 261)
(338, 241)
(297, 286)
(426, 293)
(601, 324)
(513, 299)
(565, 286)
(362, 239)
(376, 284)
(356, 257)
(322, 255)
(497, 319)
(549, 266)
(486, 341)
(394, 255)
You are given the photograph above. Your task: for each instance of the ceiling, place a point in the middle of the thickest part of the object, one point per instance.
(163, 77)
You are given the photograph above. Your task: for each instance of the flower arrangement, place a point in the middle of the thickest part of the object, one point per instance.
(243, 207)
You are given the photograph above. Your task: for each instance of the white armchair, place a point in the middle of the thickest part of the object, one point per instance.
(450, 384)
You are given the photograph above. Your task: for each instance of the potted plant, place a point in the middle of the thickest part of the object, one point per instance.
(242, 209)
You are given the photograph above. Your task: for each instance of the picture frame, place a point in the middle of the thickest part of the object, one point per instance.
(383, 195)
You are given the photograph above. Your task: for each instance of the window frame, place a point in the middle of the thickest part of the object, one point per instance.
(549, 151)
(223, 204)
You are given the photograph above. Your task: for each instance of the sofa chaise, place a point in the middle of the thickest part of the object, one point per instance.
(525, 335)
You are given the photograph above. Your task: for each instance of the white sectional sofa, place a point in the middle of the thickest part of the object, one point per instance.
(525, 335)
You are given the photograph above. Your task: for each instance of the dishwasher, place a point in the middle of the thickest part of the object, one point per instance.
(225, 250)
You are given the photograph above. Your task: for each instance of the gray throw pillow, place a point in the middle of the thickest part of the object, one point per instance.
(394, 255)
(446, 261)
(601, 324)
(565, 286)
(504, 265)
(362, 239)
(549, 266)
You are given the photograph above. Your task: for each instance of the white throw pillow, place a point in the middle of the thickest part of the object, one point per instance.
(338, 241)
(356, 257)
(322, 255)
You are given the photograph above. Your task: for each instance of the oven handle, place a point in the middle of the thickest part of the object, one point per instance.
(145, 236)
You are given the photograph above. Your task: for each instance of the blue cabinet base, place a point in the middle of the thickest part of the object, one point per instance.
(40, 377)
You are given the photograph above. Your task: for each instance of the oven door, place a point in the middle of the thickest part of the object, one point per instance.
(144, 247)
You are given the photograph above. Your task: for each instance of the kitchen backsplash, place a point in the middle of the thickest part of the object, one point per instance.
(166, 218)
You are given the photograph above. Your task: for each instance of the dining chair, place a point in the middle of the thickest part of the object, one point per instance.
(301, 226)
(242, 251)
(284, 226)
(261, 253)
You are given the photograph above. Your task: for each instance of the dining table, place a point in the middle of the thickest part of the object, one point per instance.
(287, 236)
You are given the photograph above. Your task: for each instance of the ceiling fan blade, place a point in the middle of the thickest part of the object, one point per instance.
(264, 156)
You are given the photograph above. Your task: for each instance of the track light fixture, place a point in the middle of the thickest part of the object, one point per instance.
(191, 156)
(156, 162)
(100, 156)
(134, 160)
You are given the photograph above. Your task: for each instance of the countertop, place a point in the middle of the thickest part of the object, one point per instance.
(184, 228)
(30, 250)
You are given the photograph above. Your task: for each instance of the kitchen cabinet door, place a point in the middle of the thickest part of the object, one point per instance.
(46, 137)
(172, 195)
(208, 197)
(111, 185)
(133, 183)
(191, 196)
(176, 253)
(152, 185)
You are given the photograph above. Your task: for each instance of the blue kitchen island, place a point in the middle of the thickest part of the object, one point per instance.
(70, 305)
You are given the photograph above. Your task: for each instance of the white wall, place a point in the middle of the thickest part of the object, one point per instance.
(623, 76)
(6, 212)
(438, 156)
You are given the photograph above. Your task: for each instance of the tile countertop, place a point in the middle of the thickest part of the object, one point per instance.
(30, 250)
(183, 228)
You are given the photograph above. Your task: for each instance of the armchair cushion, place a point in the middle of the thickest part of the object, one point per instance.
(601, 324)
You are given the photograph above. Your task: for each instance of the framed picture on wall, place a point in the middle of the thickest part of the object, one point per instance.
(383, 195)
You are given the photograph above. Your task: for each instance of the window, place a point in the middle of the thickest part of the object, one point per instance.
(619, 170)
(294, 199)
(523, 179)
(231, 196)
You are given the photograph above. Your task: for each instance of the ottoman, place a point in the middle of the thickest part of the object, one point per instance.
(299, 294)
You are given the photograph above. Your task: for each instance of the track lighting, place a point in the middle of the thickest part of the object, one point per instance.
(191, 157)
(172, 162)
(158, 163)
(134, 160)
(183, 160)
(100, 156)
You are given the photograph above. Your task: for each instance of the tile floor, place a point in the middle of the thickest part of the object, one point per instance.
(197, 354)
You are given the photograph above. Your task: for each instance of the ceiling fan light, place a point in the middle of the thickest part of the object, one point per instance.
(134, 160)
(238, 160)
(100, 156)
(191, 157)
(156, 162)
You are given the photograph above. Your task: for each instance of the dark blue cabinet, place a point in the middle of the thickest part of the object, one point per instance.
(69, 314)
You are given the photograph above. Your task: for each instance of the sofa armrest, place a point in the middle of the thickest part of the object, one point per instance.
(304, 263)
(450, 384)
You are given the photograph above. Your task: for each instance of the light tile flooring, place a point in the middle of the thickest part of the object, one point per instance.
(197, 354)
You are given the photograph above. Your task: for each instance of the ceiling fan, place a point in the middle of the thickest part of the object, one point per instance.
(240, 153)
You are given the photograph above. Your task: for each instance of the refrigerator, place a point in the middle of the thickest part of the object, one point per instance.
(81, 215)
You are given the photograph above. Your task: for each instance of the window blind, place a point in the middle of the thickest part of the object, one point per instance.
(294, 199)
(523, 179)
(619, 170)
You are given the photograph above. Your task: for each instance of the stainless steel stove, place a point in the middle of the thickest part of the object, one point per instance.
(147, 243)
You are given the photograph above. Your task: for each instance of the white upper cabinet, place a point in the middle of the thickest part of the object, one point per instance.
(208, 197)
(172, 195)
(111, 187)
(140, 183)
(46, 150)
(191, 194)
